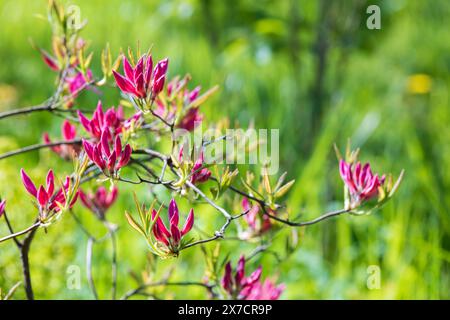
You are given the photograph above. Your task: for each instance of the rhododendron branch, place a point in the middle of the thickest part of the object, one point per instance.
(38, 147)
(144, 286)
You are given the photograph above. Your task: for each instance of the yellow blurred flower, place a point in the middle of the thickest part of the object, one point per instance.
(8, 95)
(419, 84)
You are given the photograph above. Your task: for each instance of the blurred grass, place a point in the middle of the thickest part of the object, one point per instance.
(266, 58)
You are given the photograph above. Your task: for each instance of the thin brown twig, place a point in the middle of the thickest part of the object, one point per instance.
(11, 230)
(38, 147)
(142, 287)
(24, 257)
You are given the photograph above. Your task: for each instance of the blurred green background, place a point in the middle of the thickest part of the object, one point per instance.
(309, 68)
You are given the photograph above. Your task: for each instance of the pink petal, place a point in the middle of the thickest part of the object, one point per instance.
(98, 157)
(343, 169)
(124, 84)
(192, 119)
(29, 185)
(194, 94)
(119, 113)
(75, 198)
(46, 138)
(42, 196)
(128, 69)
(140, 85)
(98, 113)
(158, 85)
(158, 232)
(245, 204)
(356, 172)
(110, 117)
(254, 277)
